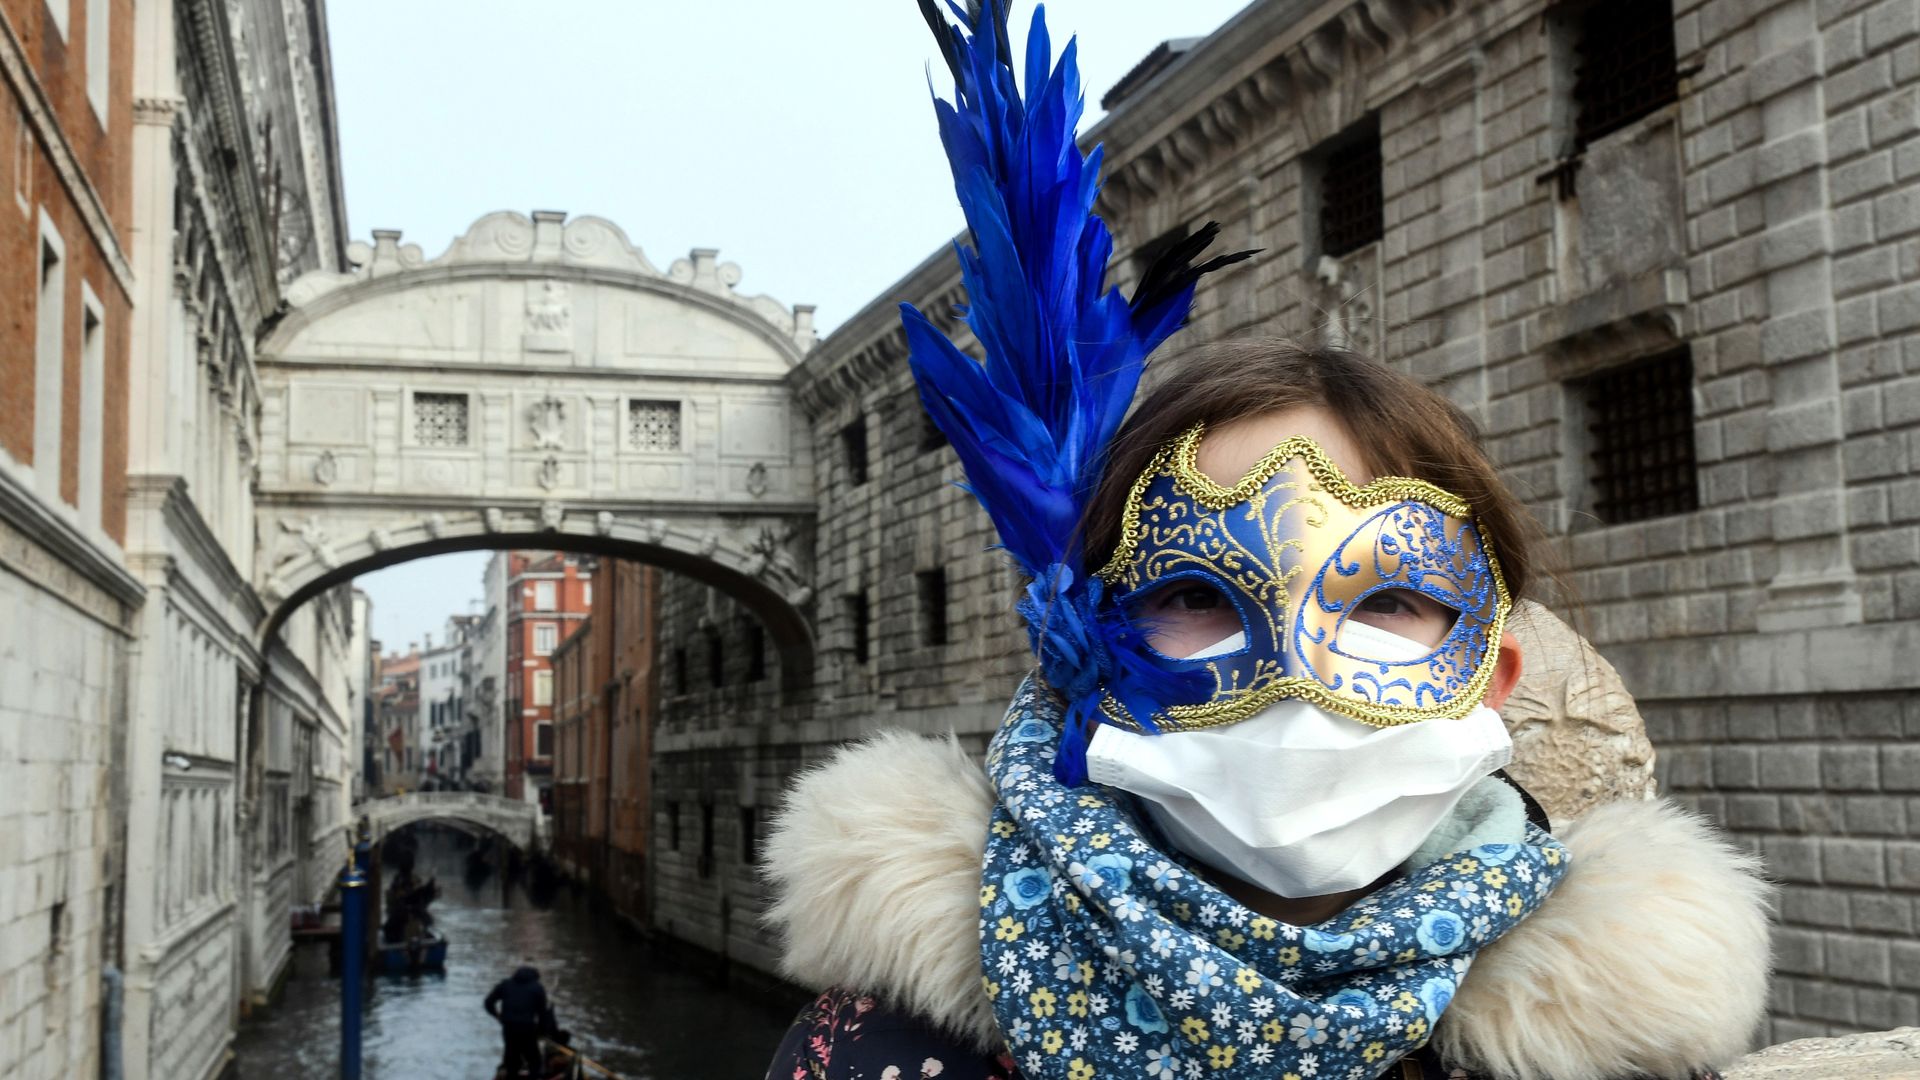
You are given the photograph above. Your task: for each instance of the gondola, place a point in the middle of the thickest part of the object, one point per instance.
(427, 953)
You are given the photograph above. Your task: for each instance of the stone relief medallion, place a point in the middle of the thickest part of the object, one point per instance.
(549, 476)
(326, 469)
(549, 323)
(548, 422)
(757, 482)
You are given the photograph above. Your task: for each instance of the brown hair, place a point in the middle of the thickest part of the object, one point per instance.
(1403, 428)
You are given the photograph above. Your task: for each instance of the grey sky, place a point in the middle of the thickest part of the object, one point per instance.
(796, 138)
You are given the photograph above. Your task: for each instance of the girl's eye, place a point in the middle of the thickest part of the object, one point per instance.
(1389, 602)
(1194, 598)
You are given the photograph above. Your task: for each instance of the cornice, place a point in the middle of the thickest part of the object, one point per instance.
(39, 112)
(168, 495)
(22, 509)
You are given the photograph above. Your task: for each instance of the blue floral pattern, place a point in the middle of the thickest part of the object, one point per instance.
(1105, 957)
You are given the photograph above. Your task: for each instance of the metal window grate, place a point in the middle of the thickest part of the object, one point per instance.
(853, 438)
(857, 614)
(653, 425)
(1625, 67)
(933, 606)
(440, 419)
(1641, 421)
(1352, 207)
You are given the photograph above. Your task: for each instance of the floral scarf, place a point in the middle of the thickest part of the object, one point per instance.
(1108, 958)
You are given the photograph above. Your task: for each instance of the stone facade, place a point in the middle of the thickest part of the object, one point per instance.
(1748, 233)
(239, 746)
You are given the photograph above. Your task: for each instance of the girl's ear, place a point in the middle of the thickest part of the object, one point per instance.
(1506, 673)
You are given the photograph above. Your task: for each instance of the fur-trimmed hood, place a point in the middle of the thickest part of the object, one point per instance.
(1651, 958)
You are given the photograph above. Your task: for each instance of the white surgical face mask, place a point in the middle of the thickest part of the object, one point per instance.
(1298, 800)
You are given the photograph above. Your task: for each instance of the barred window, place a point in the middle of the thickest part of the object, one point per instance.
(653, 425)
(440, 419)
(857, 612)
(756, 652)
(1624, 67)
(1640, 418)
(1352, 205)
(933, 606)
(853, 440)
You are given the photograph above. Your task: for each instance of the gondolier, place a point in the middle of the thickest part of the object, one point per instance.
(520, 1004)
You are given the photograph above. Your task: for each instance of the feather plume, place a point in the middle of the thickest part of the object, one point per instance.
(1063, 353)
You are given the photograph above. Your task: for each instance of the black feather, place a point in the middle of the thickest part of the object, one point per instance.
(943, 33)
(1172, 271)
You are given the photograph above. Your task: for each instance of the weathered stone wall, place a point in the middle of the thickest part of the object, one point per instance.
(63, 665)
(1768, 220)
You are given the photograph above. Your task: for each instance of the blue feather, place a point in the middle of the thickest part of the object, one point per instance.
(1063, 356)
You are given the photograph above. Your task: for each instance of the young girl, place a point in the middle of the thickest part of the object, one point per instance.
(1246, 819)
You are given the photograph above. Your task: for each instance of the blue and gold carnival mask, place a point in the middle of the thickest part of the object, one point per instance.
(1296, 548)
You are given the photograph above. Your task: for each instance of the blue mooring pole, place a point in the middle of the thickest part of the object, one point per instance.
(353, 956)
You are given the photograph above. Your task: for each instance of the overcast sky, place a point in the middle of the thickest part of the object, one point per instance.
(797, 138)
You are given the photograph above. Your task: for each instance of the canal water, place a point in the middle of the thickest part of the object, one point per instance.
(627, 1008)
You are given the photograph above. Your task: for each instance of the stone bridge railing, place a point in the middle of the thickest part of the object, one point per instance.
(520, 823)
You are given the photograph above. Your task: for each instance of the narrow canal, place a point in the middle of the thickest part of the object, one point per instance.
(627, 1008)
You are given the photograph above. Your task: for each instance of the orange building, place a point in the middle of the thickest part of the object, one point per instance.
(66, 146)
(548, 596)
(604, 687)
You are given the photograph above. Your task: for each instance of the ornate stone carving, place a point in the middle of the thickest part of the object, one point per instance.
(773, 555)
(656, 529)
(549, 318)
(1578, 740)
(436, 525)
(709, 544)
(494, 519)
(311, 533)
(757, 479)
(549, 476)
(326, 469)
(548, 422)
(551, 514)
(603, 523)
(380, 539)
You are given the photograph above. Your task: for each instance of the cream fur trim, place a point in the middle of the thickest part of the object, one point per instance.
(1651, 958)
(875, 864)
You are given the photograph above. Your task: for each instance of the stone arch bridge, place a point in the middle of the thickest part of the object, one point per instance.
(539, 384)
(514, 820)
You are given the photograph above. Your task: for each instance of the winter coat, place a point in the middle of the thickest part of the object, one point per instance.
(1659, 934)
(520, 999)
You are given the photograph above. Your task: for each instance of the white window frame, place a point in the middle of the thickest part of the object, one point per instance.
(23, 161)
(49, 358)
(548, 631)
(61, 12)
(543, 689)
(93, 405)
(99, 46)
(546, 595)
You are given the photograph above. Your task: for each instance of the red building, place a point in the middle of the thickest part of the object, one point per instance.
(605, 686)
(548, 596)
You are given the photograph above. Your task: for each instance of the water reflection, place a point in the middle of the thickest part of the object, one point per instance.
(627, 1008)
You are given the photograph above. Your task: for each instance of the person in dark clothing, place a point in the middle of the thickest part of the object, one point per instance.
(520, 1004)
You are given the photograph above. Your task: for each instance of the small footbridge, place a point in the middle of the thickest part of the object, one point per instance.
(518, 822)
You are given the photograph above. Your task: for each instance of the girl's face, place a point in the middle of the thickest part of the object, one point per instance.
(1186, 617)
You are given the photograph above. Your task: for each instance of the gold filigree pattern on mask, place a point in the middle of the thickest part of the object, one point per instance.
(1293, 513)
